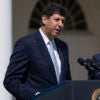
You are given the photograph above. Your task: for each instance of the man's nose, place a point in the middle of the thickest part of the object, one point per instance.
(61, 24)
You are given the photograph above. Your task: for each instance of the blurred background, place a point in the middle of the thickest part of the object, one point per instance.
(81, 32)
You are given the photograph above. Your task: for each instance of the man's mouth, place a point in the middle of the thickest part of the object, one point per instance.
(58, 29)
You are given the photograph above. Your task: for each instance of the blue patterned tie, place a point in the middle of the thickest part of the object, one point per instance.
(54, 60)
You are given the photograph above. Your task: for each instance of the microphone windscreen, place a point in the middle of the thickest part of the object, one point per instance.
(80, 61)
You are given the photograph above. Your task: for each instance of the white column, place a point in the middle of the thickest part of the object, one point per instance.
(5, 43)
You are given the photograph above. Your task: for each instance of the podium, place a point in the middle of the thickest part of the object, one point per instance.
(72, 90)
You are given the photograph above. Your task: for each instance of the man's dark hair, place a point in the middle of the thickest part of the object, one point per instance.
(53, 8)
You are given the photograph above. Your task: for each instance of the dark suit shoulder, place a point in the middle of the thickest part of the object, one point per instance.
(27, 38)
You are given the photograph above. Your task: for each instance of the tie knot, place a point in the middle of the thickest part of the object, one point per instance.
(50, 43)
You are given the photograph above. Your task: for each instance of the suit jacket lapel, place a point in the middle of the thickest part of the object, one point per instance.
(45, 54)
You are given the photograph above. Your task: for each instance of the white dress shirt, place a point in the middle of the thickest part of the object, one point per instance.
(46, 40)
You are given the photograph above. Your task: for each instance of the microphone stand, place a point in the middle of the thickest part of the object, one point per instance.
(93, 74)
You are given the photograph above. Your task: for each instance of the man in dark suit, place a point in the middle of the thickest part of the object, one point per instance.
(96, 61)
(94, 67)
(31, 69)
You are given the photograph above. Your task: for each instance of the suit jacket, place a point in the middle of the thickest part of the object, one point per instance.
(31, 68)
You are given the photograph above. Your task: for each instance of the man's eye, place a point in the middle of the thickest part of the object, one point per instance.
(63, 21)
(56, 19)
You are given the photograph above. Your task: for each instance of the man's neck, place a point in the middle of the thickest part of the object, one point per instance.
(46, 33)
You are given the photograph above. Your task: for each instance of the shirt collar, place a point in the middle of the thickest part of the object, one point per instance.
(45, 38)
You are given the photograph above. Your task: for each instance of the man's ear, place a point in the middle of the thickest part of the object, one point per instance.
(44, 20)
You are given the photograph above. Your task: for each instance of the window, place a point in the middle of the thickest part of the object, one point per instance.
(75, 19)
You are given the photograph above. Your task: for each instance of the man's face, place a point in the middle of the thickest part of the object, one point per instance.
(53, 25)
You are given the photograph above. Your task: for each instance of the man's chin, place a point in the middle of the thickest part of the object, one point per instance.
(56, 34)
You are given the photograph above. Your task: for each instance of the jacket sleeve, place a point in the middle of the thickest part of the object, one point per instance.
(16, 71)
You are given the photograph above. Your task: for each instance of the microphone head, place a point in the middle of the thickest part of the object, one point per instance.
(81, 61)
(87, 63)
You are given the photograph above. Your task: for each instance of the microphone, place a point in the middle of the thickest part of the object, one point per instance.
(92, 67)
(88, 63)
